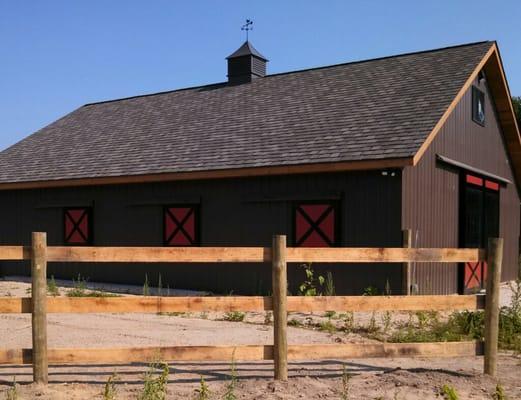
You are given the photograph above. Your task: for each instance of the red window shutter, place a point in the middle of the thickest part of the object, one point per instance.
(77, 229)
(315, 225)
(180, 226)
(474, 180)
(492, 185)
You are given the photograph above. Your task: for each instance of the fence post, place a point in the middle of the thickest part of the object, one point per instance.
(406, 269)
(280, 315)
(493, 282)
(39, 306)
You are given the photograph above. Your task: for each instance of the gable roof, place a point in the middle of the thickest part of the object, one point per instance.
(369, 114)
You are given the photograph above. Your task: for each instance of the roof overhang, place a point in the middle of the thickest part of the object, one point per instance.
(470, 168)
(387, 163)
(492, 65)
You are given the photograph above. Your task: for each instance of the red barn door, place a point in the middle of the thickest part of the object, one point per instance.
(479, 221)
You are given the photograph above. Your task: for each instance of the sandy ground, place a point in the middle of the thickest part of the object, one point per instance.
(370, 378)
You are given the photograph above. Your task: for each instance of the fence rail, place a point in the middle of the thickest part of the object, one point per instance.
(279, 255)
(244, 254)
(138, 304)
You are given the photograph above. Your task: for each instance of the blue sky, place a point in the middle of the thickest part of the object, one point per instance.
(59, 54)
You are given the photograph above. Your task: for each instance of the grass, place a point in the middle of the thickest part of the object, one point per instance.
(110, 391)
(79, 289)
(327, 326)
(52, 288)
(464, 325)
(155, 385)
(499, 393)
(234, 316)
(12, 392)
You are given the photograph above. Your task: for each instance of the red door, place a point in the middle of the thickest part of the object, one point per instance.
(479, 221)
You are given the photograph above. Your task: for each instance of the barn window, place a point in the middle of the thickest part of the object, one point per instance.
(316, 224)
(181, 225)
(77, 226)
(478, 106)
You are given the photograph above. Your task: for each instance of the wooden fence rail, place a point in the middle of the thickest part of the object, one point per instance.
(279, 255)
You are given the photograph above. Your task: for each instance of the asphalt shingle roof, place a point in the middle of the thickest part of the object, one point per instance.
(375, 109)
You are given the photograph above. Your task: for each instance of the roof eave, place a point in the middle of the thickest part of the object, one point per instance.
(358, 165)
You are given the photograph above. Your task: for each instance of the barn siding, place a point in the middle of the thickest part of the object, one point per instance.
(234, 212)
(431, 193)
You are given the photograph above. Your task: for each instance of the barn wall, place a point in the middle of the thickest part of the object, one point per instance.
(431, 192)
(234, 212)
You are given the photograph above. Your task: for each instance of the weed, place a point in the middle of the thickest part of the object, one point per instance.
(349, 321)
(372, 327)
(423, 318)
(159, 286)
(295, 322)
(155, 384)
(234, 316)
(109, 392)
(499, 393)
(203, 315)
(203, 392)
(330, 314)
(327, 326)
(79, 287)
(311, 285)
(146, 290)
(370, 291)
(449, 393)
(387, 321)
(12, 392)
(52, 289)
(329, 286)
(232, 383)
(346, 377)
(268, 317)
(387, 288)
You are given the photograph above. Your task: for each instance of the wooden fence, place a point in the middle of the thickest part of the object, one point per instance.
(279, 255)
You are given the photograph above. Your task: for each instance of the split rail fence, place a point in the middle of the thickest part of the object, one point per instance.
(280, 303)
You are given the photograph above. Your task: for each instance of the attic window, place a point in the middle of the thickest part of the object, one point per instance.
(478, 106)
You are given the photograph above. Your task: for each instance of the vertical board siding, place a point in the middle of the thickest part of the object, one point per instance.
(234, 212)
(431, 193)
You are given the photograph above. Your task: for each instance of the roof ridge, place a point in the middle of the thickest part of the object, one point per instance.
(224, 83)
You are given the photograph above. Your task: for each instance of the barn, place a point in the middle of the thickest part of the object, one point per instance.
(343, 155)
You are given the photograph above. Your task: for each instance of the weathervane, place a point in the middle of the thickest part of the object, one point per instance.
(247, 27)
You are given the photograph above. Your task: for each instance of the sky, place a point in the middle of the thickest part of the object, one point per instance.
(57, 55)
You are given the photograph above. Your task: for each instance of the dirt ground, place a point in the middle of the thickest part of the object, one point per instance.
(404, 378)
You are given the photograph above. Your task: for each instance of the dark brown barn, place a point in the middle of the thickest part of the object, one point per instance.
(344, 155)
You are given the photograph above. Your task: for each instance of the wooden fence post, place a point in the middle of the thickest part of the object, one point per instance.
(493, 282)
(406, 269)
(39, 306)
(280, 315)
